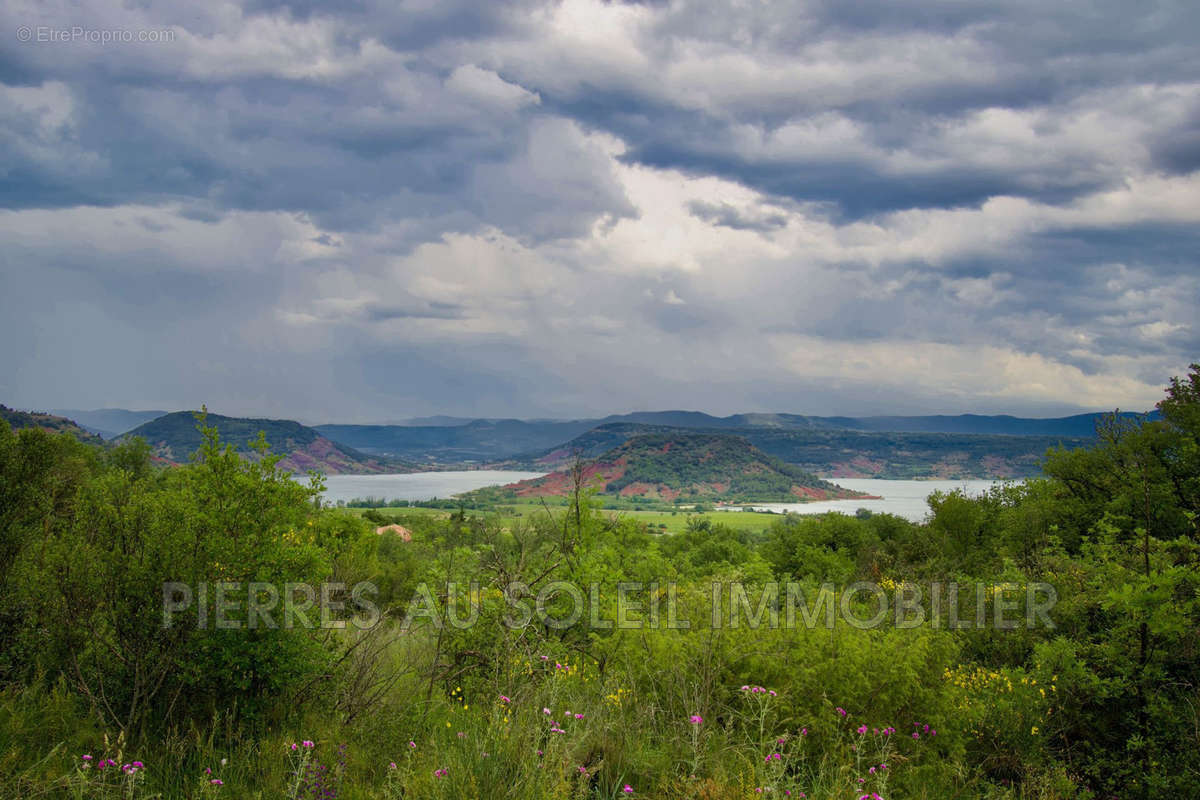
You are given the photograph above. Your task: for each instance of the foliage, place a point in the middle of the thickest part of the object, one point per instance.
(1101, 704)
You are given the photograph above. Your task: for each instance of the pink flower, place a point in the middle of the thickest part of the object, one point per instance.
(696, 719)
(217, 782)
(916, 735)
(628, 789)
(862, 729)
(841, 711)
(504, 699)
(579, 716)
(546, 711)
(391, 765)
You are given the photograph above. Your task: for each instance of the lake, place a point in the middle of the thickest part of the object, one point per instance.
(417, 485)
(902, 498)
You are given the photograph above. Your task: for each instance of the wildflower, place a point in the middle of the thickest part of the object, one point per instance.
(579, 716)
(628, 789)
(916, 735)
(412, 745)
(696, 719)
(391, 765)
(208, 770)
(841, 711)
(86, 758)
(462, 735)
(216, 782)
(804, 731)
(582, 770)
(504, 699)
(546, 711)
(224, 761)
(306, 743)
(862, 729)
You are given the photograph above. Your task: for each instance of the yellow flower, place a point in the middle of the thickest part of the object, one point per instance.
(1034, 730)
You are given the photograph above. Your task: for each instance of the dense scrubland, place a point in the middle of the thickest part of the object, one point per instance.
(102, 699)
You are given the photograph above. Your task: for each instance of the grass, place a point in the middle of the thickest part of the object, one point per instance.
(662, 521)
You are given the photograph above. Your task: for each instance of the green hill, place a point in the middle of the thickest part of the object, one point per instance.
(175, 437)
(50, 422)
(701, 466)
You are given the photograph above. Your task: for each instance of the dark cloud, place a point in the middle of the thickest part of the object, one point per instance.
(370, 209)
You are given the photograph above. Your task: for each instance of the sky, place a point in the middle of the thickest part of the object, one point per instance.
(373, 210)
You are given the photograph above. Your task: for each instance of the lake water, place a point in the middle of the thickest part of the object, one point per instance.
(902, 498)
(418, 485)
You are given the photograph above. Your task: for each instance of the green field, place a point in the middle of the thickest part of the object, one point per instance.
(655, 521)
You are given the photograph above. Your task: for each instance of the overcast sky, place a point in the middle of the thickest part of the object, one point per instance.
(527, 209)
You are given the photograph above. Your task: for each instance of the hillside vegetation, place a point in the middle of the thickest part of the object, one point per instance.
(47, 422)
(175, 437)
(698, 466)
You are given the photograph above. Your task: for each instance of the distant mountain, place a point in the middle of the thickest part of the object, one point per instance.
(455, 440)
(686, 465)
(1079, 425)
(842, 453)
(175, 437)
(477, 441)
(49, 422)
(109, 422)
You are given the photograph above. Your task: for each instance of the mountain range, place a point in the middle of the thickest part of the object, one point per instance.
(175, 437)
(945, 446)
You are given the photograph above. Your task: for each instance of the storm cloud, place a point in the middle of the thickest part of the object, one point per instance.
(374, 210)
